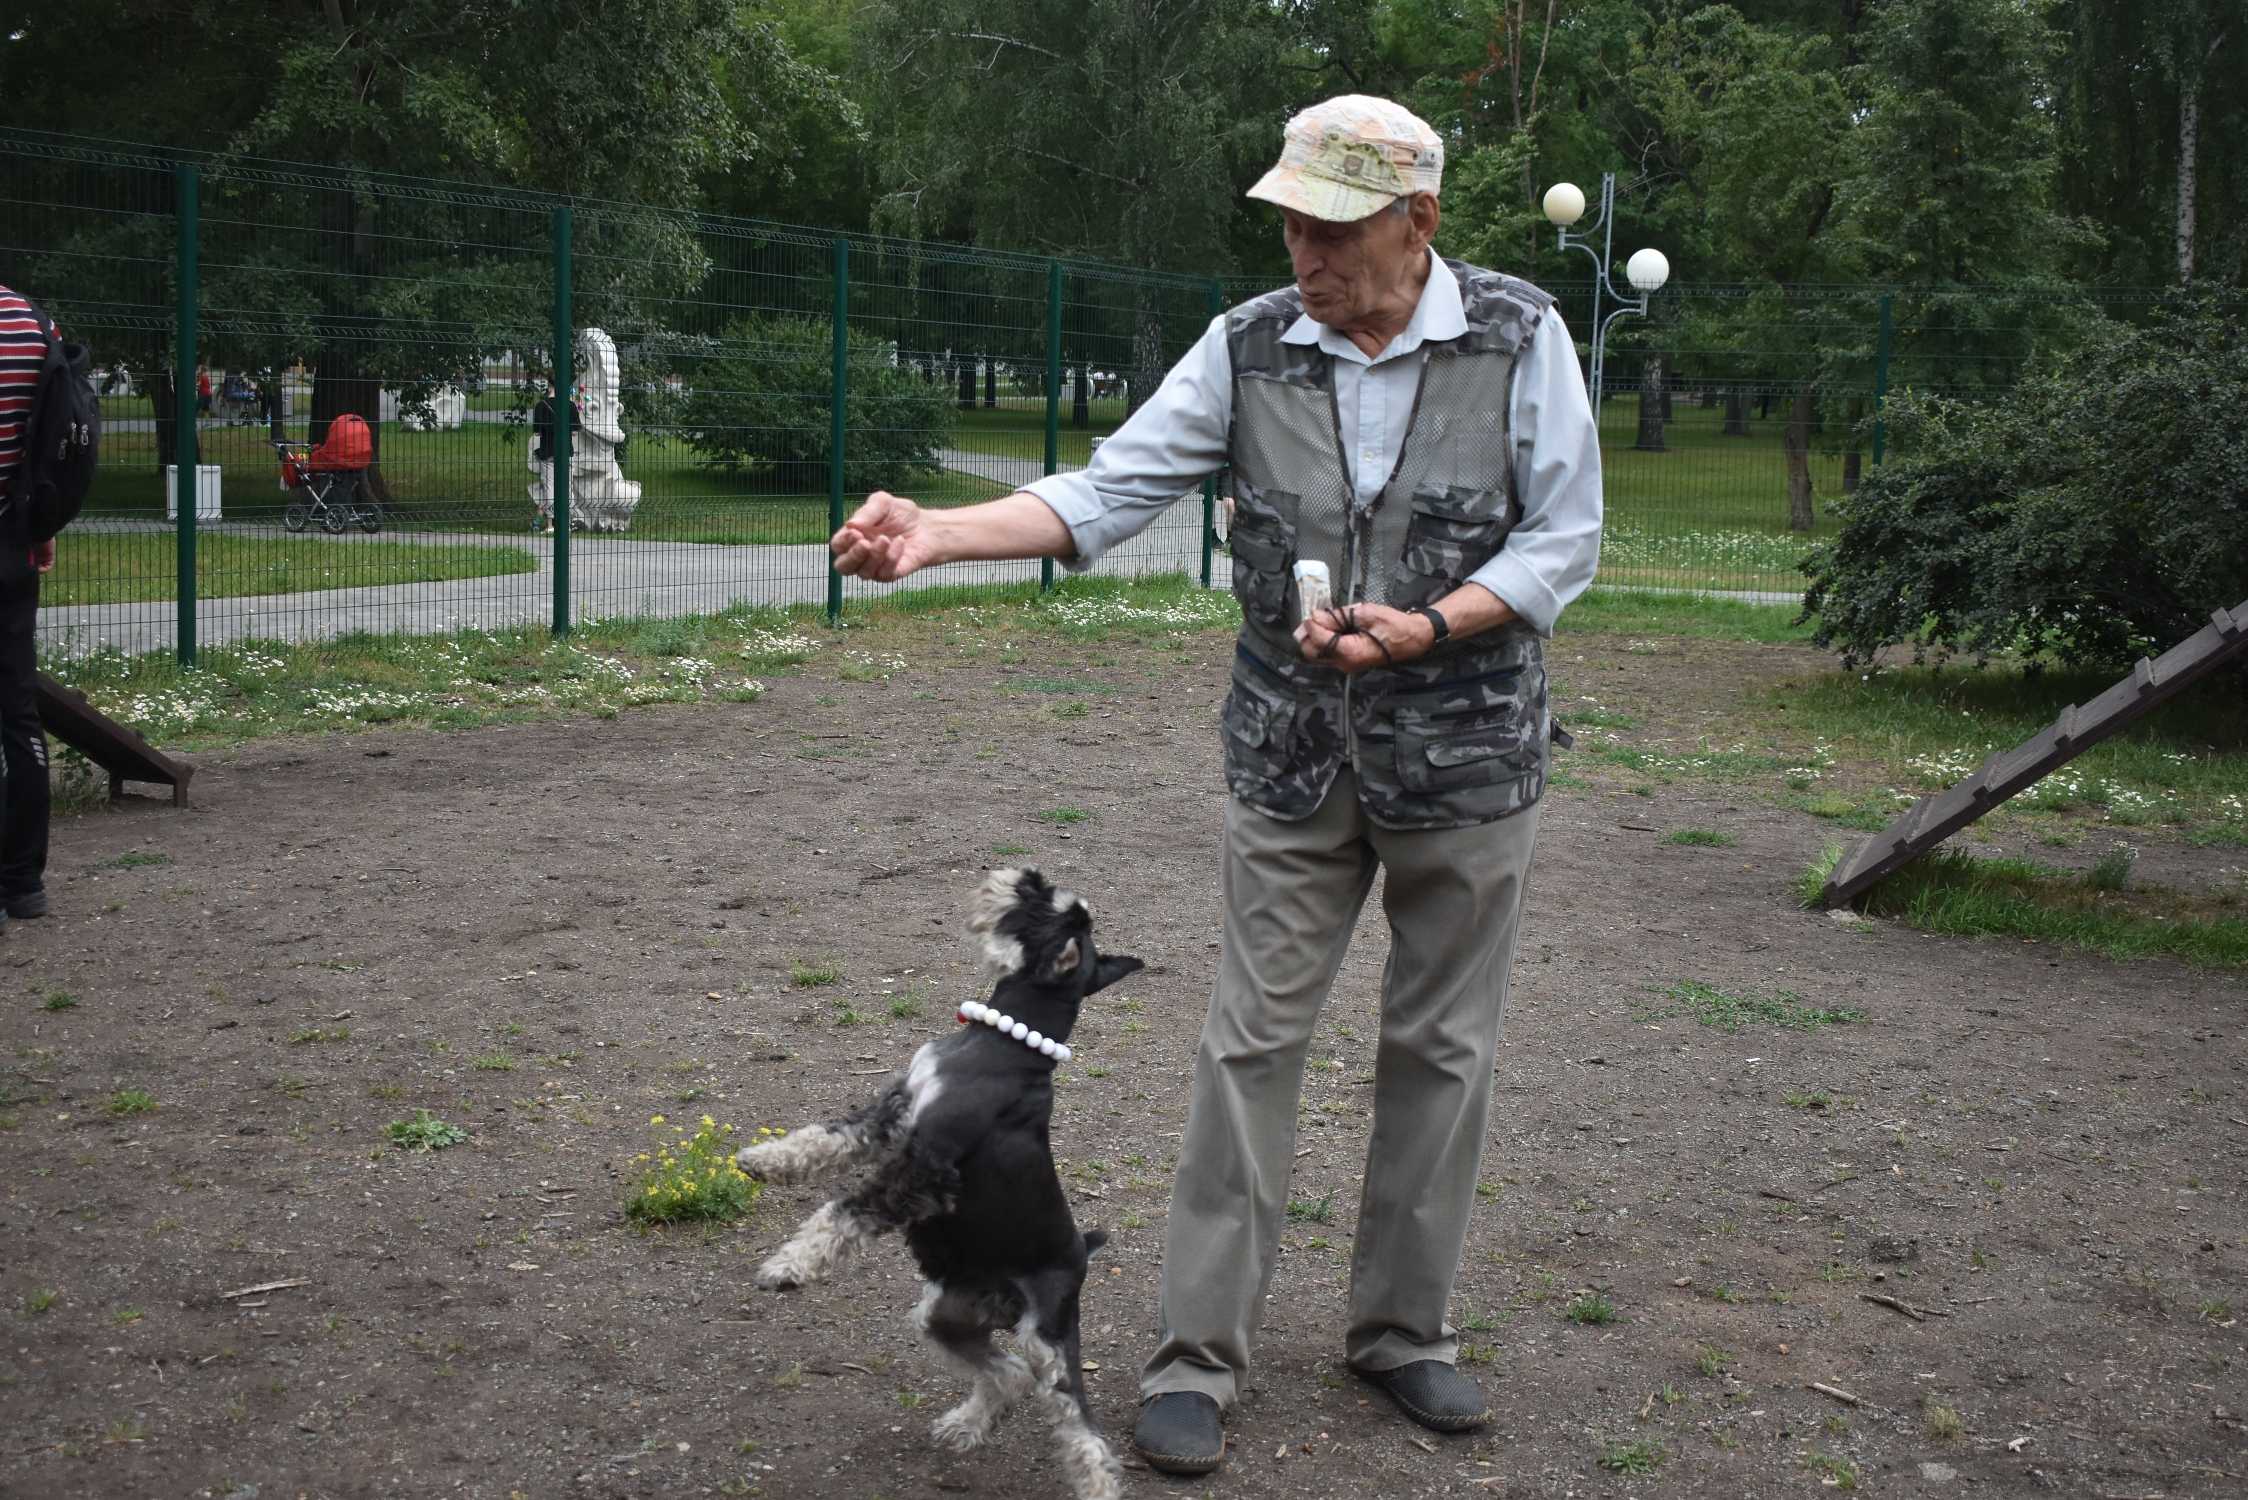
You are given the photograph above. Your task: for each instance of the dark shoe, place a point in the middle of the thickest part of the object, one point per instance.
(1433, 1394)
(28, 905)
(1179, 1433)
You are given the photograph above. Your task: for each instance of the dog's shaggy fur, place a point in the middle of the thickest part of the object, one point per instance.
(958, 1159)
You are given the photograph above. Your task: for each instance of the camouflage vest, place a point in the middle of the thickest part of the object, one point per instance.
(1449, 739)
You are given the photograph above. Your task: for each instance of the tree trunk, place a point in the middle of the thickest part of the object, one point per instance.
(1853, 461)
(1651, 406)
(967, 383)
(1796, 442)
(1736, 414)
(1764, 404)
(1080, 400)
(2189, 142)
(166, 401)
(1147, 353)
(991, 383)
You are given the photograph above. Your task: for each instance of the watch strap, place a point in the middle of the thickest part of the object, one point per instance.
(1442, 626)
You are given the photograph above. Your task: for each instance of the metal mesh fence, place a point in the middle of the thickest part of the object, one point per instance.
(733, 387)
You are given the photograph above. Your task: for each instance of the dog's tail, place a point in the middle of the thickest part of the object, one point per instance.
(1094, 1239)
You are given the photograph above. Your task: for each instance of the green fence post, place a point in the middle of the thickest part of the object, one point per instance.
(1881, 369)
(838, 393)
(1053, 394)
(186, 450)
(565, 383)
(1210, 485)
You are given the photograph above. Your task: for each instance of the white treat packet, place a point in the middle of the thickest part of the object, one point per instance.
(1314, 589)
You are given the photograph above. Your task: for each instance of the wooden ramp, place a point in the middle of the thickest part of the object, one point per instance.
(1936, 817)
(108, 744)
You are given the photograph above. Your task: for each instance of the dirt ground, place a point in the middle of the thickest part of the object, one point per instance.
(2041, 1154)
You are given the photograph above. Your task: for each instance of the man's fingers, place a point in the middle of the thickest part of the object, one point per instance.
(879, 508)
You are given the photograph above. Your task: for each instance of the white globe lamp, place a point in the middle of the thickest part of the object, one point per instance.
(1647, 270)
(1564, 203)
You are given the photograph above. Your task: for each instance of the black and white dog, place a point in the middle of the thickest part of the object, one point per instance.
(959, 1159)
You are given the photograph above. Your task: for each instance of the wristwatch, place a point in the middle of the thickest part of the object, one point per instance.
(1437, 622)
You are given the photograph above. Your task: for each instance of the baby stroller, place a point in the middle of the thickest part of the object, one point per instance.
(324, 482)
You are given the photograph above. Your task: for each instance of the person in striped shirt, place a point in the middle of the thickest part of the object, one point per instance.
(23, 744)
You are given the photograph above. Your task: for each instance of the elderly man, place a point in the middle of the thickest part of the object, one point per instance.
(1420, 428)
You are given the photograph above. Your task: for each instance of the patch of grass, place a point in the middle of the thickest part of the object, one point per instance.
(59, 1000)
(1818, 1100)
(136, 859)
(1062, 817)
(1941, 1422)
(905, 1008)
(494, 1062)
(1319, 1210)
(1592, 1308)
(424, 1132)
(693, 1177)
(2112, 870)
(1708, 1005)
(1700, 838)
(1009, 851)
(39, 1300)
(1810, 886)
(1636, 1457)
(1960, 895)
(126, 1102)
(1836, 1471)
(1603, 610)
(315, 1034)
(807, 976)
(2216, 1310)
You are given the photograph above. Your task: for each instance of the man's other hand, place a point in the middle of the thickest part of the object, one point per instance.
(1358, 636)
(43, 556)
(885, 539)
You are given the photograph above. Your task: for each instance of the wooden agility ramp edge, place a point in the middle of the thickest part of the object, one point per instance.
(1939, 815)
(108, 744)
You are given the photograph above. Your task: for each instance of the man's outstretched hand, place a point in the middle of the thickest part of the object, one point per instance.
(885, 539)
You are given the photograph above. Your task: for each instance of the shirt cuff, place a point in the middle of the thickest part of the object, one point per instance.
(1072, 497)
(1521, 590)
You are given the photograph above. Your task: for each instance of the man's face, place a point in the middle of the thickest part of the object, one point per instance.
(1348, 271)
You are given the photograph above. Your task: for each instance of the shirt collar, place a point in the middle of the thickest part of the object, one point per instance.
(1436, 317)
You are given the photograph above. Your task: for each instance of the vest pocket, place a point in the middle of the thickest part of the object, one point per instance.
(1260, 730)
(1449, 535)
(1452, 752)
(1262, 555)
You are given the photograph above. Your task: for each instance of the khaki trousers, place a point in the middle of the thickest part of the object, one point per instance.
(1292, 895)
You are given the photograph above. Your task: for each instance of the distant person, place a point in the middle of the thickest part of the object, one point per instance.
(24, 797)
(202, 391)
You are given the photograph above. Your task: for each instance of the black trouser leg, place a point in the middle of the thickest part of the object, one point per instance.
(23, 745)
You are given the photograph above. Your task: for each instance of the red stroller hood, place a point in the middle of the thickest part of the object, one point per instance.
(348, 445)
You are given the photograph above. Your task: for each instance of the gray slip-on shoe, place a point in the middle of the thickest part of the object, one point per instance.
(1179, 1432)
(1434, 1394)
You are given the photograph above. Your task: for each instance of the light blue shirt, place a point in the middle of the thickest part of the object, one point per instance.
(1170, 445)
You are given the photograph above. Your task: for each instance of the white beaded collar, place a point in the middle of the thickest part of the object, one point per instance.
(976, 1012)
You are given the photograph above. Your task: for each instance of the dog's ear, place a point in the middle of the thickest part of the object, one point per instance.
(1066, 962)
(1112, 967)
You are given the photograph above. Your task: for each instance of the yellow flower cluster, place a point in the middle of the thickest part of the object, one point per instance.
(691, 1177)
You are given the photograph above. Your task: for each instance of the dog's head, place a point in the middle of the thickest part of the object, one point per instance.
(1031, 932)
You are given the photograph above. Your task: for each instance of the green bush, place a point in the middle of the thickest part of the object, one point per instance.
(2097, 512)
(761, 401)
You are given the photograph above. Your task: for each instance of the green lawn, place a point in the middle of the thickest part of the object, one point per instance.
(109, 567)
(1709, 512)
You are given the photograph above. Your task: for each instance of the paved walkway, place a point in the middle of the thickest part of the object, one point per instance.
(608, 576)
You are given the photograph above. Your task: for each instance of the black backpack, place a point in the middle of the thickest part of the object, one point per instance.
(61, 436)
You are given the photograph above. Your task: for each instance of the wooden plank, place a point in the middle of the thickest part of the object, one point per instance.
(2077, 728)
(120, 751)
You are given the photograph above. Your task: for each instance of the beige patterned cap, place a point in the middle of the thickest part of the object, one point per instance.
(1351, 156)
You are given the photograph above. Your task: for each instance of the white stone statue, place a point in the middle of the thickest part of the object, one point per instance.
(601, 498)
(446, 411)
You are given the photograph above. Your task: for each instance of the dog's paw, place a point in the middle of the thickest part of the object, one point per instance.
(1092, 1467)
(765, 1161)
(780, 1273)
(964, 1427)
